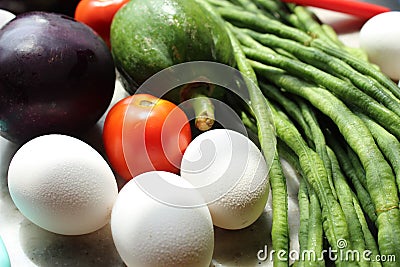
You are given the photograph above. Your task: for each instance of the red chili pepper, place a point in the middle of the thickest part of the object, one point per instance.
(356, 8)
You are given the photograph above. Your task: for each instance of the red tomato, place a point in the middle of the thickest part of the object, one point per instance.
(98, 14)
(144, 133)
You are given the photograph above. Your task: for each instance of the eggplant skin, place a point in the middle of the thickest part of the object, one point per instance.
(56, 76)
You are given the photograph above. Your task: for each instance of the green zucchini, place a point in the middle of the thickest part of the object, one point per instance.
(149, 36)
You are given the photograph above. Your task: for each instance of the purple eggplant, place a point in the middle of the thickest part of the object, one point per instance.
(56, 76)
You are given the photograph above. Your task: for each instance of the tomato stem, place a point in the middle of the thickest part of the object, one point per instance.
(147, 103)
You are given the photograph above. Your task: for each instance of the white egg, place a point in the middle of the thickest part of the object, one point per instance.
(231, 174)
(380, 37)
(150, 228)
(5, 16)
(62, 185)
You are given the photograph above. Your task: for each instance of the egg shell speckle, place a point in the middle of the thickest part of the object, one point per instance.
(239, 200)
(148, 232)
(62, 184)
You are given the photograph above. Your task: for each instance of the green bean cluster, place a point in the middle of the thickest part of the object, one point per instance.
(336, 117)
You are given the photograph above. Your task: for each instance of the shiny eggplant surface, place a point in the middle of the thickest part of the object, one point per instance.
(56, 76)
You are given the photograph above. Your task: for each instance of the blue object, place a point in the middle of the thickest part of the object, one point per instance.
(4, 259)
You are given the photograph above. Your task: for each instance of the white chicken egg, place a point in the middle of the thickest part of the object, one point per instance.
(62, 185)
(5, 17)
(230, 173)
(149, 231)
(380, 37)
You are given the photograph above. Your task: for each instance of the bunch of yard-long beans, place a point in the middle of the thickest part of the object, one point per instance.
(337, 119)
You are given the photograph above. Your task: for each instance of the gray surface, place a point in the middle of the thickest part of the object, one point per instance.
(392, 4)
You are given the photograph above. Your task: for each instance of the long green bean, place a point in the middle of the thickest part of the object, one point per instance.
(366, 92)
(370, 242)
(357, 166)
(290, 107)
(367, 69)
(260, 108)
(310, 24)
(262, 23)
(331, 65)
(344, 90)
(313, 257)
(345, 196)
(279, 10)
(351, 173)
(280, 225)
(313, 169)
(378, 172)
(389, 145)
(248, 5)
(304, 207)
(307, 121)
(319, 139)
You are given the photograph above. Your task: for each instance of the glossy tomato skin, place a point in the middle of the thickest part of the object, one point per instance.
(98, 14)
(143, 133)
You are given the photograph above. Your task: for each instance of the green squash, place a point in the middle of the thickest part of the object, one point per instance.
(148, 36)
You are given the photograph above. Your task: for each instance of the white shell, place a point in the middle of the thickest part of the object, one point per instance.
(232, 175)
(148, 231)
(380, 37)
(62, 184)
